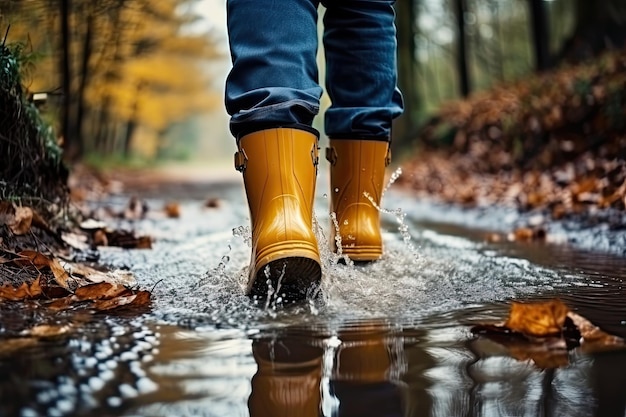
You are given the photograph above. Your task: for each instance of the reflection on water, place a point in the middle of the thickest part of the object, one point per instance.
(387, 339)
(373, 368)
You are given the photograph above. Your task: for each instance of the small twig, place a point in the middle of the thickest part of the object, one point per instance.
(6, 35)
(155, 284)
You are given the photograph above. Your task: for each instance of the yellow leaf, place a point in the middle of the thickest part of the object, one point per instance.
(537, 319)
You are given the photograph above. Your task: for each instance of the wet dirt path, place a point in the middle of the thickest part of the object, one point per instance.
(391, 338)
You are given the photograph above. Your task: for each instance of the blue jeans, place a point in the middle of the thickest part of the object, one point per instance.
(274, 78)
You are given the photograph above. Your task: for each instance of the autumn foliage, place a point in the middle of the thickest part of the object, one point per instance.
(545, 331)
(134, 69)
(555, 141)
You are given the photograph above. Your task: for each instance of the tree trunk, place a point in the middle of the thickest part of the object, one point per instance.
(540, 34)
(462, 65)
(70, 145)
(599, 26)
(405, 127)
(80, 107)
(100, 127)
(131, 126)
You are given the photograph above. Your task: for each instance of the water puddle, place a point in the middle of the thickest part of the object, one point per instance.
(385, 339)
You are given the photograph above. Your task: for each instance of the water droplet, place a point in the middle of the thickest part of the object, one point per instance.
(345, 222)
(336, 189)
(325, 195)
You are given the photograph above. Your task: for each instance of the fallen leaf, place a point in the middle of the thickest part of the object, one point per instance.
(101, 290)
(138, 300)
(40, 223)
(22, 221)
(8, 292)
(212, 202)
(62, 303)
(144, 242)
(172, 210)
(128, 240)
(45, 331)
(592, 336)
(545, 331)
(22, 292)
(60, 275)
(10, 346)
(32, 258)
(75, 240)
(537, 319)
(35, 290)
(85, 275)
(100, 238)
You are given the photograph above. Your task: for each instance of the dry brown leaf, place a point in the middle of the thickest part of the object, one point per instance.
(60, 275)
(34, 258)
(99, 291)
(537, 319)
(22, 292)
(61, 303)
(84, 275)
(212, 202)
(47, 331)
(10, 346)
(138, 300)
(40, 223)
(545, 331)
(128, 240)
(172, 210)
(100, 238)
(526, 234)
(22, 220)
(144, 242)
(35, 290)
(592, 336)
(8, 292)
(75, 240)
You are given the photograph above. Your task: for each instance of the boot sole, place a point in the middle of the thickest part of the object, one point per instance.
(291, 268)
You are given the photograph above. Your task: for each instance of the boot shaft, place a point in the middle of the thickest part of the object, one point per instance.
(279, 169)
(357, 175)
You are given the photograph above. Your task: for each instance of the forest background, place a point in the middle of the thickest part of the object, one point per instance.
(142, 80)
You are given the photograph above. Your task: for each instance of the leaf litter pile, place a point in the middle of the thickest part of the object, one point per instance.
(53, 268)
(545, 332)
(553, 144)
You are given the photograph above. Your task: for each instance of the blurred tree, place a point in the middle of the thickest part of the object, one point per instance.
(463, 65)
(406, 126)
(600, 25)
(541, 36)
(120, 64)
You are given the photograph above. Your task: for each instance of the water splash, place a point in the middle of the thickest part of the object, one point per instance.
(245, 233)
(399, 215)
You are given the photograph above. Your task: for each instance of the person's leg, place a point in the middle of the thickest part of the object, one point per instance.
(272, 96)
(361, 71)
(360, 46)
(274, 78)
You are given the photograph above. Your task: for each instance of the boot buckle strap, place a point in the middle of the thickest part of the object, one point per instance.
(315, 157)
(241, 160)
(331, 155)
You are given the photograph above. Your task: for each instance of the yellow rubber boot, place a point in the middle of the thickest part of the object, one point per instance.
(279, 171)
(357, 168)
